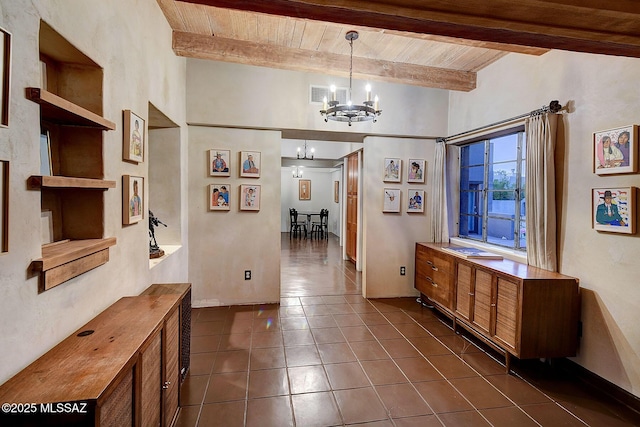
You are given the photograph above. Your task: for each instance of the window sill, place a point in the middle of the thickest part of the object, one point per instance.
(511, 254)
(168, 251)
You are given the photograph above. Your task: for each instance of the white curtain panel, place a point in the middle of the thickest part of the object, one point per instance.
(540, 191)
(439, 217)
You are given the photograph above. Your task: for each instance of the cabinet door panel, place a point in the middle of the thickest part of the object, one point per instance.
(151, 378)
(171, 367)
(507, 311)
(463, 291)
(482, 300)
(117, 410)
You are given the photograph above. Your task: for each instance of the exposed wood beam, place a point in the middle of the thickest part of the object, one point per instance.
(607, 27)
(243, 52)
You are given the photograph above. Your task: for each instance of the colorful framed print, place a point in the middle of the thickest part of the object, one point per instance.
(392, 170)
(219, 162)
(415, 198)
(133, 137)
(5, 76)
(415, 171)
(613, 209)
(391, 200)
(4, 206)
(304, 189)
(616, 150)
(250, 164)
(132, 199)
(249, 197)
(219, 197)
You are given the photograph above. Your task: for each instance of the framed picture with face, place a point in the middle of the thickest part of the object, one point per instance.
(613, 209)
(132, 199)
(615, 151)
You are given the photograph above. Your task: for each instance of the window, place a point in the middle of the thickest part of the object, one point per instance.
(492, 193)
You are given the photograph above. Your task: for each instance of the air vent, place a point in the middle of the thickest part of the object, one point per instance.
(318, 93)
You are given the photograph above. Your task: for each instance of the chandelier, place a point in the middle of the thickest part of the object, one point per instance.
(305, 157)
(296, 173)
(332, 110)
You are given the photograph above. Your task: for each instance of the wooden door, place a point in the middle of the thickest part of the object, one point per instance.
(507, 312)
(482, 302)
(352, 207)
(171, 367)
(464, 291)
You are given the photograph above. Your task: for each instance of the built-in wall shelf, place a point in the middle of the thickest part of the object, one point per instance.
(37, 182)
(66, 259)
(60, 111)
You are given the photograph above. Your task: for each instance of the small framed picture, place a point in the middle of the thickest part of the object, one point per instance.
(391, 200)
(304, 189)
(46, 167)
(219, 162)
(415, 200)
(5, 76)
(614, 209)
(336, 191)
(133, 137)
(392, 170)
(250, 164)
(616, 150)
(249, 197)
(132, 199)
(219, 197)
(4, 206)
(415, 171)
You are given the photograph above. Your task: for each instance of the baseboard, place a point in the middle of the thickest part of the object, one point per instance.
(593, 380)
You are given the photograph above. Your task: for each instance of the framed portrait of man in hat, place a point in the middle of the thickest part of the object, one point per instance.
(219, 162)
(614, 209)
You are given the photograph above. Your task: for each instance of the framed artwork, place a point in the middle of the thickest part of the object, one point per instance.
(250, 164)
(616, 150)
(392, 170)
(391, 200)
(249, 197)
(5, 76)
(219, 162)
(4, 206)
(132, 199)
(219, 197)
(415, 171)
(133, 137)
(336, 191)
(415, 199)
(46, 168)
(304, 189)
(614, 209)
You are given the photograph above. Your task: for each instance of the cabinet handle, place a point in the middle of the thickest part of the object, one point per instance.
(493, 305)
(166, 385)
(433, 267)
(471, 294)
(434, 284)
(430, 263)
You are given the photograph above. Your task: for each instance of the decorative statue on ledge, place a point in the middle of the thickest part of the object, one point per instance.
(154, 249)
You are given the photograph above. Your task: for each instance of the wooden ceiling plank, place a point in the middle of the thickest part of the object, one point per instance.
(547, 24)
(220, 49)
(171, 11)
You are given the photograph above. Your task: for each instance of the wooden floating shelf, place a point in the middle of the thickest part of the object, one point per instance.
(36, 182)
(67, 259)
(59, 110)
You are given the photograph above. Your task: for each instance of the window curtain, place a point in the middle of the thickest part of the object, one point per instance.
(540, 191)
(439, 219)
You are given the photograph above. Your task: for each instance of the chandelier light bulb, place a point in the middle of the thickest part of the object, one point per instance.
(368, 89)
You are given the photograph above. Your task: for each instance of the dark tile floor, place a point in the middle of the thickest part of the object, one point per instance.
(325, 356)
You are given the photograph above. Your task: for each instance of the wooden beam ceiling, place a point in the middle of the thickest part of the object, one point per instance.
(595, 26)
(244, 52)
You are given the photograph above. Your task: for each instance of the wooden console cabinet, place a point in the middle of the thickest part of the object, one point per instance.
(520, 310)
(120, 369)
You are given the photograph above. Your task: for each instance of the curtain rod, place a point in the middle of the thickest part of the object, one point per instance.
(553, 107)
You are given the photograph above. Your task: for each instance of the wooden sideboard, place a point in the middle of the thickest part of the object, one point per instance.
(522, 311)
(120, 369)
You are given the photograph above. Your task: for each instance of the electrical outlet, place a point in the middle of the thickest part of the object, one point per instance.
(403, 270)
(247, 275)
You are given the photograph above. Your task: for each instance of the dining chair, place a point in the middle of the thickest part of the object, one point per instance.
(321, 228)
(296, 227)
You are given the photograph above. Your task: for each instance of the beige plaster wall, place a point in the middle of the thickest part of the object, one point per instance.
(604, 94)
(223, 244)
(131, 40)
(389, 238)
